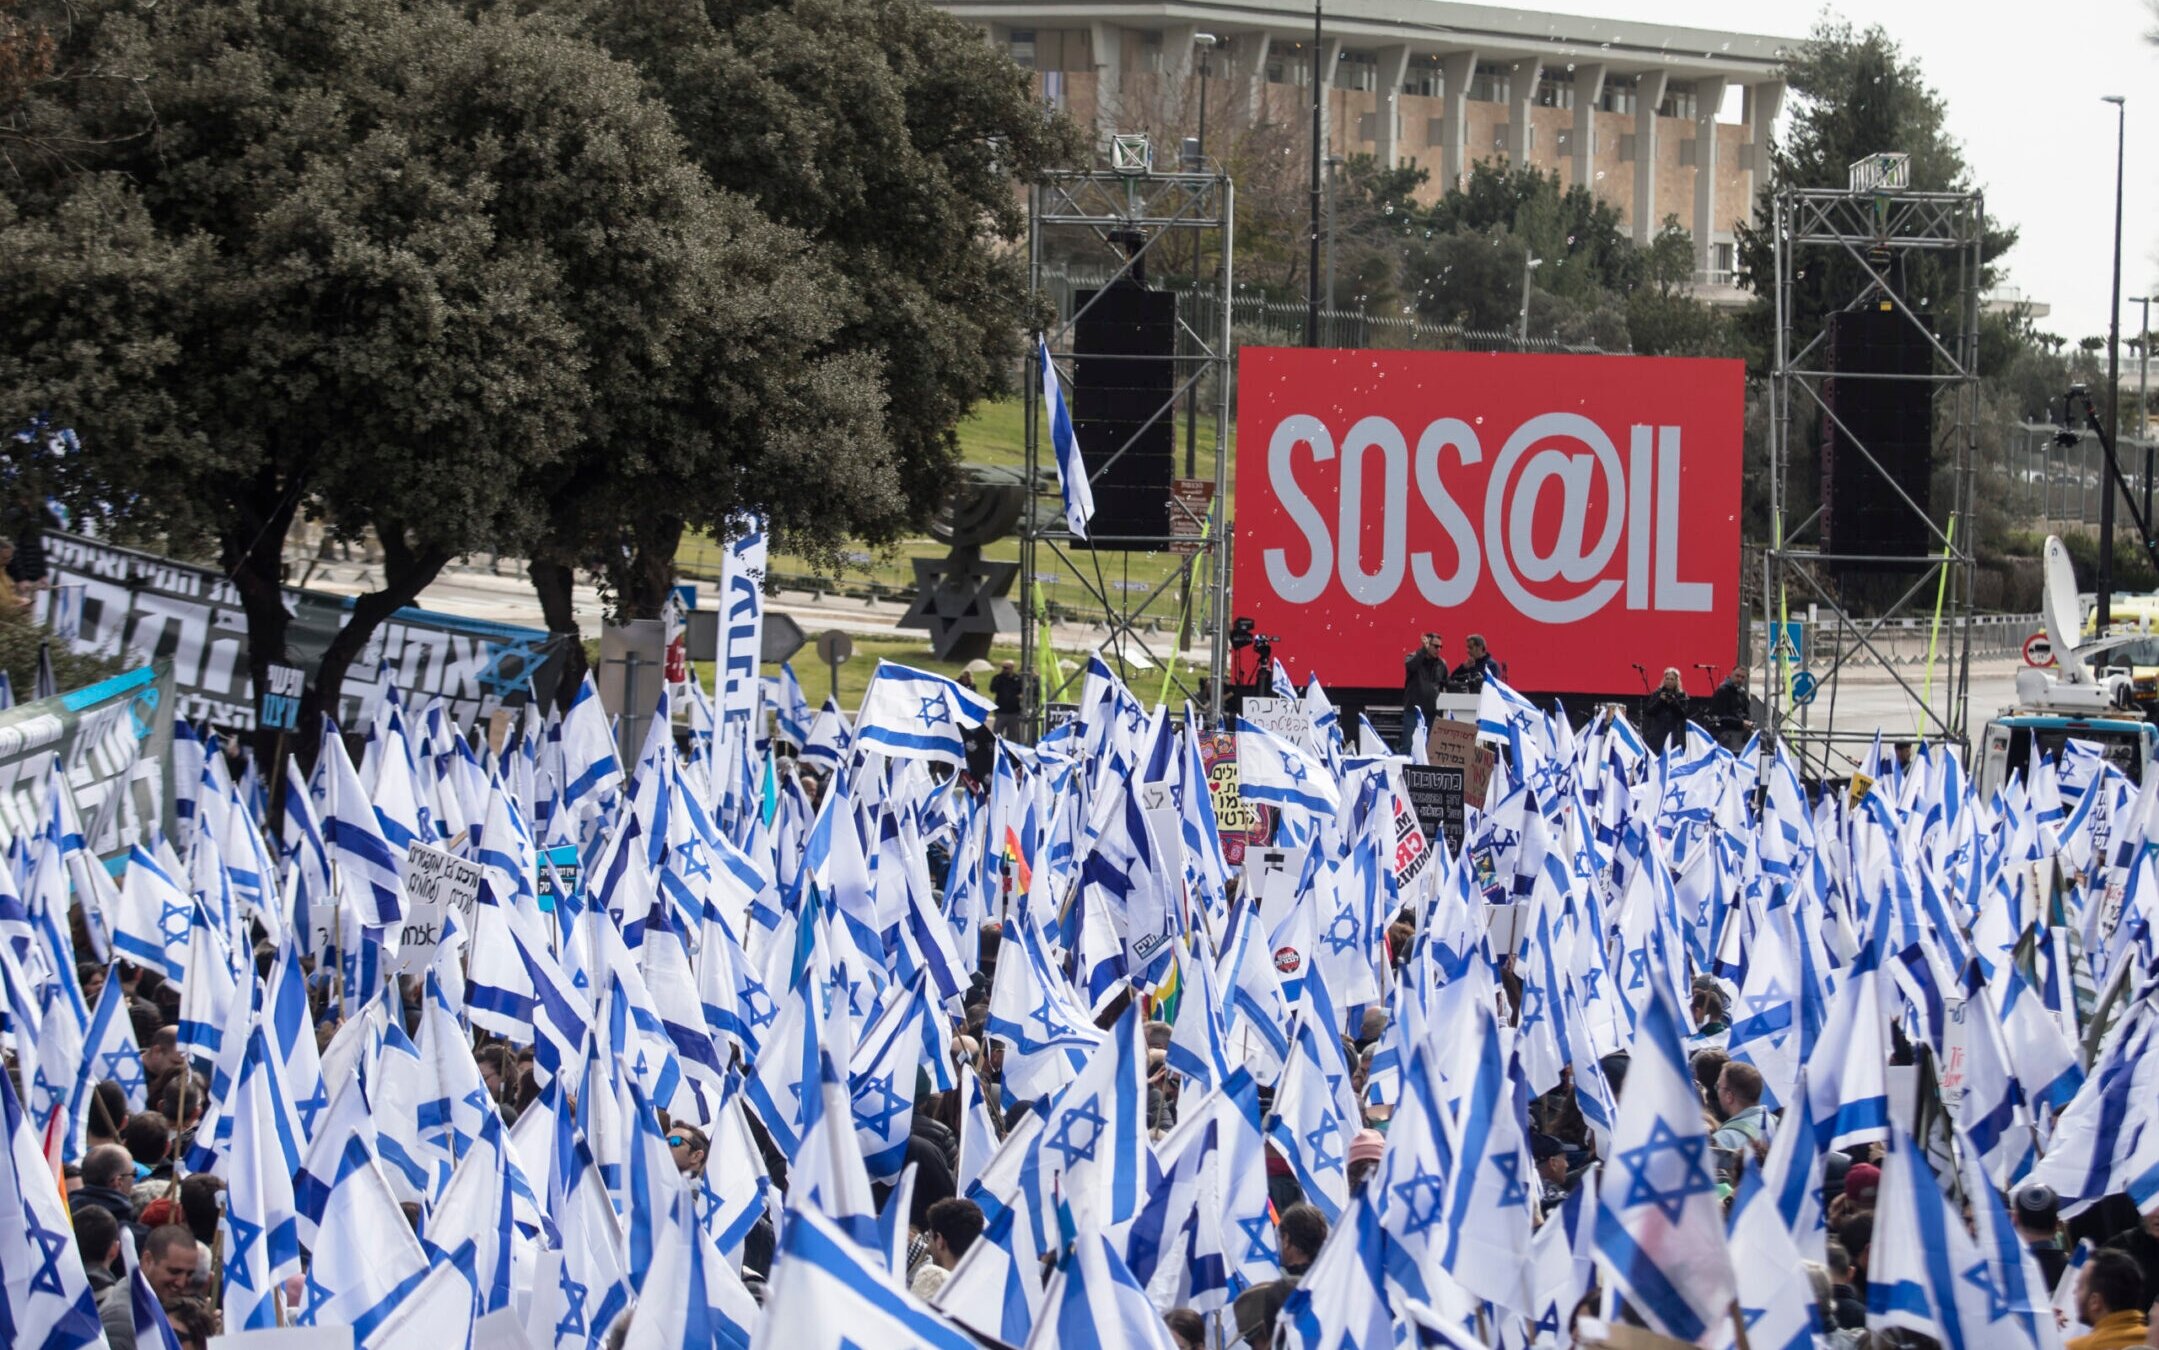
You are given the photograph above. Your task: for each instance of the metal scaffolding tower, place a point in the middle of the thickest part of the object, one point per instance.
(1876, 233)
(1123, 217)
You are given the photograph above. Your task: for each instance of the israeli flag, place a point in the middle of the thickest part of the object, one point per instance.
(1270, 769)
(792, 708)
(1660, 1224)
(1071, 469)
(912, 714)
(827, 1292)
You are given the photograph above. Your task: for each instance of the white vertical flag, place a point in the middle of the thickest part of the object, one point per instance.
(1071, 469)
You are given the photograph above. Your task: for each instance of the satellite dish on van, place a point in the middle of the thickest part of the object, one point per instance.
(2058, 608)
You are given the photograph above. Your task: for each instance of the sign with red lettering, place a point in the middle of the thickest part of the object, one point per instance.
(1581, 512)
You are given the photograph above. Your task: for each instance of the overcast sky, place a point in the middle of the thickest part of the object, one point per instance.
(2022, 83)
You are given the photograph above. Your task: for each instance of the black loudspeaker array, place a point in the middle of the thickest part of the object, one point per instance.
(1894, 420)
(1122, 376)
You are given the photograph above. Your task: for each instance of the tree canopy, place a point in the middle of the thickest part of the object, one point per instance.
(500, 277)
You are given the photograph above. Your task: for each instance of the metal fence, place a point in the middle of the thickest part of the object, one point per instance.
(1900, 642)
(2063, 483)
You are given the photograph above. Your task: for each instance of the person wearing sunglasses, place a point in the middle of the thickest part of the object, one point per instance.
(689, 1146)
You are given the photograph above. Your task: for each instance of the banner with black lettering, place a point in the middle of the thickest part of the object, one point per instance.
(140, 607)
(114, 740)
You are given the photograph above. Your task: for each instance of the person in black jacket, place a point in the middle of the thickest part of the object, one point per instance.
(1731, 711)
(1664, 714)
(1424, 675)
(1469, 677)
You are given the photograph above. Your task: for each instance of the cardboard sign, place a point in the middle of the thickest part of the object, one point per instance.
(1270, 877)
(1454, 745)
(557, 865)
(437, 884)
(1435, 794)
(1283, 716)
(277, 702)
(1412, 846)
(1239, 824)
(1507, 925)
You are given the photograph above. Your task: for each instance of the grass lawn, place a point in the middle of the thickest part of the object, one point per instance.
(995, 435)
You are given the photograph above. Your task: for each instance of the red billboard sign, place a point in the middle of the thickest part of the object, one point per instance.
(1582, 512)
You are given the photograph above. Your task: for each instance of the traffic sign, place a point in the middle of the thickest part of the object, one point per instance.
(1791, 643)
(1803, 687)
(834, 647)
(2038, 650)
(780, 638)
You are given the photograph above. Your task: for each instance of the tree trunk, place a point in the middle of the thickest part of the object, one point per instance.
(649, 575)
(555, 584)
(405, 573)
(252, 550)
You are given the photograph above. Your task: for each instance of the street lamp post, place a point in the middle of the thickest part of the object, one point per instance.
(1319, 94)
(1334, 167)
(1522, 342)
(1206, 44)
(2144, 365)
(2105, 613)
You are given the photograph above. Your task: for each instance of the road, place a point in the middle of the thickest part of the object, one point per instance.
(1864, 699)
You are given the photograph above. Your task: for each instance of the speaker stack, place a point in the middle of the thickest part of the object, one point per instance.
(1123, 374)
(1894, 419)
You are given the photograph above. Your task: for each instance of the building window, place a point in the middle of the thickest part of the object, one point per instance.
(1565, 146)
(1425, 80)
(1023, 47)
(1491, 83)
(1618, 95)
(1678, 102)
(1357, 70)
(1556, 91)
(1291, 65)
(1150, 51)
(1721, 258)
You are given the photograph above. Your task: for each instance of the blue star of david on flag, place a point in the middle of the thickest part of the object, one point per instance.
(244, 1237)
(1982, 1279)
(1317, 1139)
(756, 1014)
(573, 1317)
(1256, 1230)
(317, 1293)
(876, 1116)
(1667, 1171)
(1421, 1198)
(124, 1066)
(1087, 1113)
(1041, 1013)
(1341, 935)
(1509, 1167)
(46, 1278)
(172, 921)
(932, 712)
(1296, 772)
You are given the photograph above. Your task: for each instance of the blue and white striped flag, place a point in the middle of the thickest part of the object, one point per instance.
(1271, 770)
(831, 736)
(792, 708)
(152, 923)
(912, 714)
(1660, 1223)
(827, 1291)
(45, 1297)
(261, 1226)
(352, 833)
(1071, 469)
